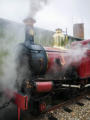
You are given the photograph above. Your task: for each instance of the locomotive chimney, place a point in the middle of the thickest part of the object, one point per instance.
(29, 31)
(78, 30)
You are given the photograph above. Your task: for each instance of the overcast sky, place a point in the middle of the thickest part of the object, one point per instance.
(57, 14)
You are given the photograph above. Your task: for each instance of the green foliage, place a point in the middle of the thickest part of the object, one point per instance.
(43, 37)
(3, 54)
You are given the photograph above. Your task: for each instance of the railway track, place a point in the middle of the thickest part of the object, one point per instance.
(58, 112)
(72, 99)
(66, 106)
(65, 109)
(75, 99)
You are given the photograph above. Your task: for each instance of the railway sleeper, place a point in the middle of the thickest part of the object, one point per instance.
(80, 104)
(88, 98)
(67, 109)
(51, 117)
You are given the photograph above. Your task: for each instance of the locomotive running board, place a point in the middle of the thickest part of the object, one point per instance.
(73, 86)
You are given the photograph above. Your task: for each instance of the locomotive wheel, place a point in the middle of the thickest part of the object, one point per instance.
(82, 87)
(39, 104)
(34, 108)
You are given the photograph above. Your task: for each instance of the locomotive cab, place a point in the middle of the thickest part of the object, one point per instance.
(84, 68)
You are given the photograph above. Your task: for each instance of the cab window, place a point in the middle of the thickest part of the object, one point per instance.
(88, 45)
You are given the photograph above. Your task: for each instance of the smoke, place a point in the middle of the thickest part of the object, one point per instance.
(36, 6)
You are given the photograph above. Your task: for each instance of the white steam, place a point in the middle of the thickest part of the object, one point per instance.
(8, 54)
(9, 71)
(36, 6)
(8, 78)
(76, 53)
(9, 66)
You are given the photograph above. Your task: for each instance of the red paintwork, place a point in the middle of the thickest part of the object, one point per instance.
(20, 100)
(42, 107)
(82, 66)
(44, 86)
(84, 42)
(55, 53)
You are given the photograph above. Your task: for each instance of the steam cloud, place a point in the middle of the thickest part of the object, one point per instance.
(76, 53)
(36, 6)
(8, 79)
(9, 71)
(8, 54)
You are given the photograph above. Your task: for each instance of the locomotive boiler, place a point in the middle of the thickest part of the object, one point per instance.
(42, 72)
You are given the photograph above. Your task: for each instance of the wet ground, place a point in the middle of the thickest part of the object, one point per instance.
(9, 113)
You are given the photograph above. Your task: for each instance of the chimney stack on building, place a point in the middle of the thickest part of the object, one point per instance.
(78, 30)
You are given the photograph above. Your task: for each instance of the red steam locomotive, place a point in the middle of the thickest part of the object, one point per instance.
(44, 71)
